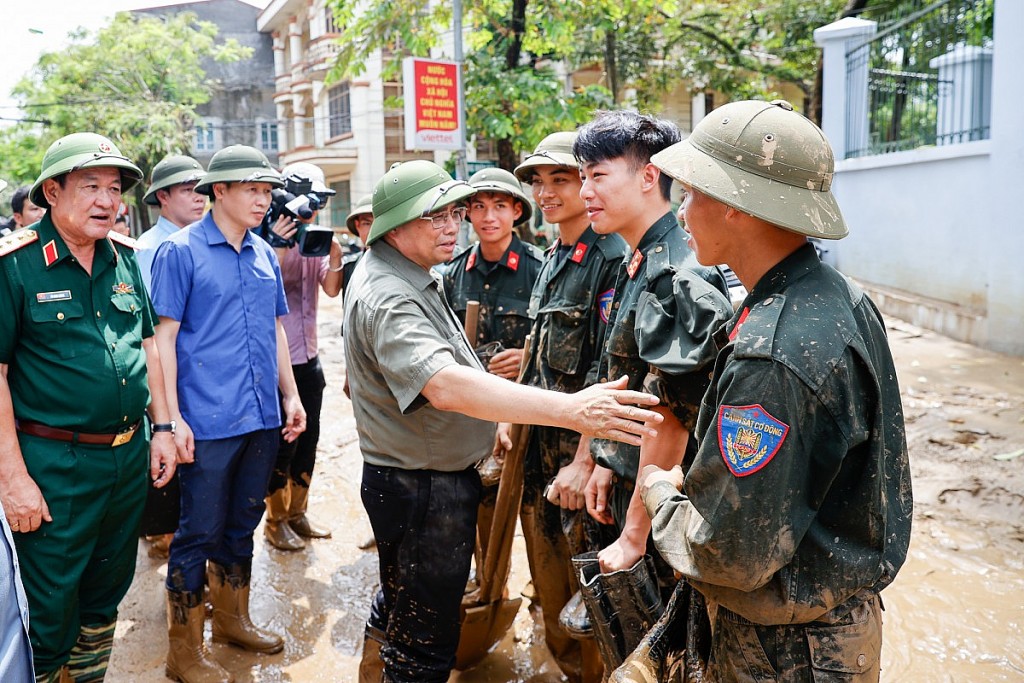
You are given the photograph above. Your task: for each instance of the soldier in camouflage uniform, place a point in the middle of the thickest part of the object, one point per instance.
(797, 509)
(665, 308)
(570, 304)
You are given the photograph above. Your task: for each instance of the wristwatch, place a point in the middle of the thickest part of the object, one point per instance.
(164, 427)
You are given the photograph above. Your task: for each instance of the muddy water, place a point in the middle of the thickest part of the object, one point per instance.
(954, 614)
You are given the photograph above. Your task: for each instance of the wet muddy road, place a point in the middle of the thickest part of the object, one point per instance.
(955, 612)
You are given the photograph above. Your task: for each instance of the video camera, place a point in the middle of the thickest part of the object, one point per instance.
(298, 200)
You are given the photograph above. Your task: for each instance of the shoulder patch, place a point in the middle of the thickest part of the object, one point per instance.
(749, 437)
(604, 304)
(16, 240)
(124, 240)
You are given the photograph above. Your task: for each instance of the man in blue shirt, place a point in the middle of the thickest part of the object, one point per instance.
(15, 650)
(172, 189)
(220, 297)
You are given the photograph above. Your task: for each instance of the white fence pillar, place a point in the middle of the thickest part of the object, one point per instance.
(844, 97)
(965, 94)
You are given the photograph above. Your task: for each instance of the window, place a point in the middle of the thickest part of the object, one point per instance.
(340, 203)
(394, 129)
(204, 138)
(340, 109)
(330, 23)
(267, 134)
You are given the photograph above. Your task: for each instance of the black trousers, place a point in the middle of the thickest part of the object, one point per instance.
(425, 525)
(296, 460)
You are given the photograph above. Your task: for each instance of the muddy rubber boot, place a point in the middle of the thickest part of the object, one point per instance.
(188, 660)
(574, 618)
(297, 518)
(91, 653)
(229, 593)
(276, 528)
(371, 666)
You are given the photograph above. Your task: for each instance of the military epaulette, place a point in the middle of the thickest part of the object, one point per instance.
(659, 261)
(756, 335)
(124, 240)
(16, 240)
(611, 247)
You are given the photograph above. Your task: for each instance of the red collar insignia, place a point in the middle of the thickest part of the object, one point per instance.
(634, 263)
(739, 324)
(578, 253)
(471, 261)
(50, 253)
(513, 261)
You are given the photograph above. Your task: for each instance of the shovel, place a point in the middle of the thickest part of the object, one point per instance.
(487, 612)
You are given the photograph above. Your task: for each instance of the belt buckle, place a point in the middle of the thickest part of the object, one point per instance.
(121, 438)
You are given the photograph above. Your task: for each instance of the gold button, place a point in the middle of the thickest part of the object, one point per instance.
(60, 316)
(98, 314)
(862, 660)
(657, 250)
(124, 382)
(114, 345)
(125, 418)
(132, 307)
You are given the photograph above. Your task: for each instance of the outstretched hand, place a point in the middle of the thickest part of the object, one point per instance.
(610, 411)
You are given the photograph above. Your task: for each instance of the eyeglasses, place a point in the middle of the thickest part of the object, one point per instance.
(440, 220)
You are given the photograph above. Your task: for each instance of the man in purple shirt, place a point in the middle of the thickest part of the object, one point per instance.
(220, 297)
(287, 524)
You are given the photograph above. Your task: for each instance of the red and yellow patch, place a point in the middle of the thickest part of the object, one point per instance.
(749, 437)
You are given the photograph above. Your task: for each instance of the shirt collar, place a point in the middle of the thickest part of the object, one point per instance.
(515, 247)
(787, 271)
(164, 228)
(211, 231)
(656, 233)
(55, 249)
(406, 269)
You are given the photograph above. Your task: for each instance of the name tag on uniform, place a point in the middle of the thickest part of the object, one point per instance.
(62, 295)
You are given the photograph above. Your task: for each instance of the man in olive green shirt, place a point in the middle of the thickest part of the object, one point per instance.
(78, 368)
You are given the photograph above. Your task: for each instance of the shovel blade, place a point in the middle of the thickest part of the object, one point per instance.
(483, 627)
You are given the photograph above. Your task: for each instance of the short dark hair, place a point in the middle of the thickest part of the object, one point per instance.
(627, 135)
(18, 200)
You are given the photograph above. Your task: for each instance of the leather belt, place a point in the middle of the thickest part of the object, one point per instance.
(45, 432)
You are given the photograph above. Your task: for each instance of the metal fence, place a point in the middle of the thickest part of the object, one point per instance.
(925, 78)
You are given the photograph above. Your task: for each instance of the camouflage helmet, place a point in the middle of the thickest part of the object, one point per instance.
(172, 170)
(363, 207)
(238, 164)
(554, 150)
(412, 190)
(765, 160)
(501, 181)
(83, 150)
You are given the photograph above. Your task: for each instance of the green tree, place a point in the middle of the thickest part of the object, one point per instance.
(514, 95)
(137, 81)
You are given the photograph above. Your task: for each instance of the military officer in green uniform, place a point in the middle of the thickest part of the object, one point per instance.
(78, 368)
(569, 306)
(797, 510)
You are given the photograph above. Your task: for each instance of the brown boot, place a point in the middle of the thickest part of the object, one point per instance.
(229, 593)
(276, 528)
(371, 666)
(297, 518)
(188, 660)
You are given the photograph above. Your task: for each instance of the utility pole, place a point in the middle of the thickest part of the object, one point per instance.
(460, 155)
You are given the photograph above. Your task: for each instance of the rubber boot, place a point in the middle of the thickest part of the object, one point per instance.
(297, 518)
(276, 528)
(91, 653)
(371, 666)
(188, 660)
(229, 593)
(574, 618)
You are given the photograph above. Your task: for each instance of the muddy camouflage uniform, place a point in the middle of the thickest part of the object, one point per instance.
(503, 291)
(799, 500)
(570, 305)
(659, 334)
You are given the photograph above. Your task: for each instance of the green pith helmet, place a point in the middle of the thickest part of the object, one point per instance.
(238, 164)
(363, 206)
(412, 190)
(765, 160)
(554, 150)
(83, 150)
(500, 180)
(172, 170)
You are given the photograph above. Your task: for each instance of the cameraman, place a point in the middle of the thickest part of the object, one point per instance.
(287, 524)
